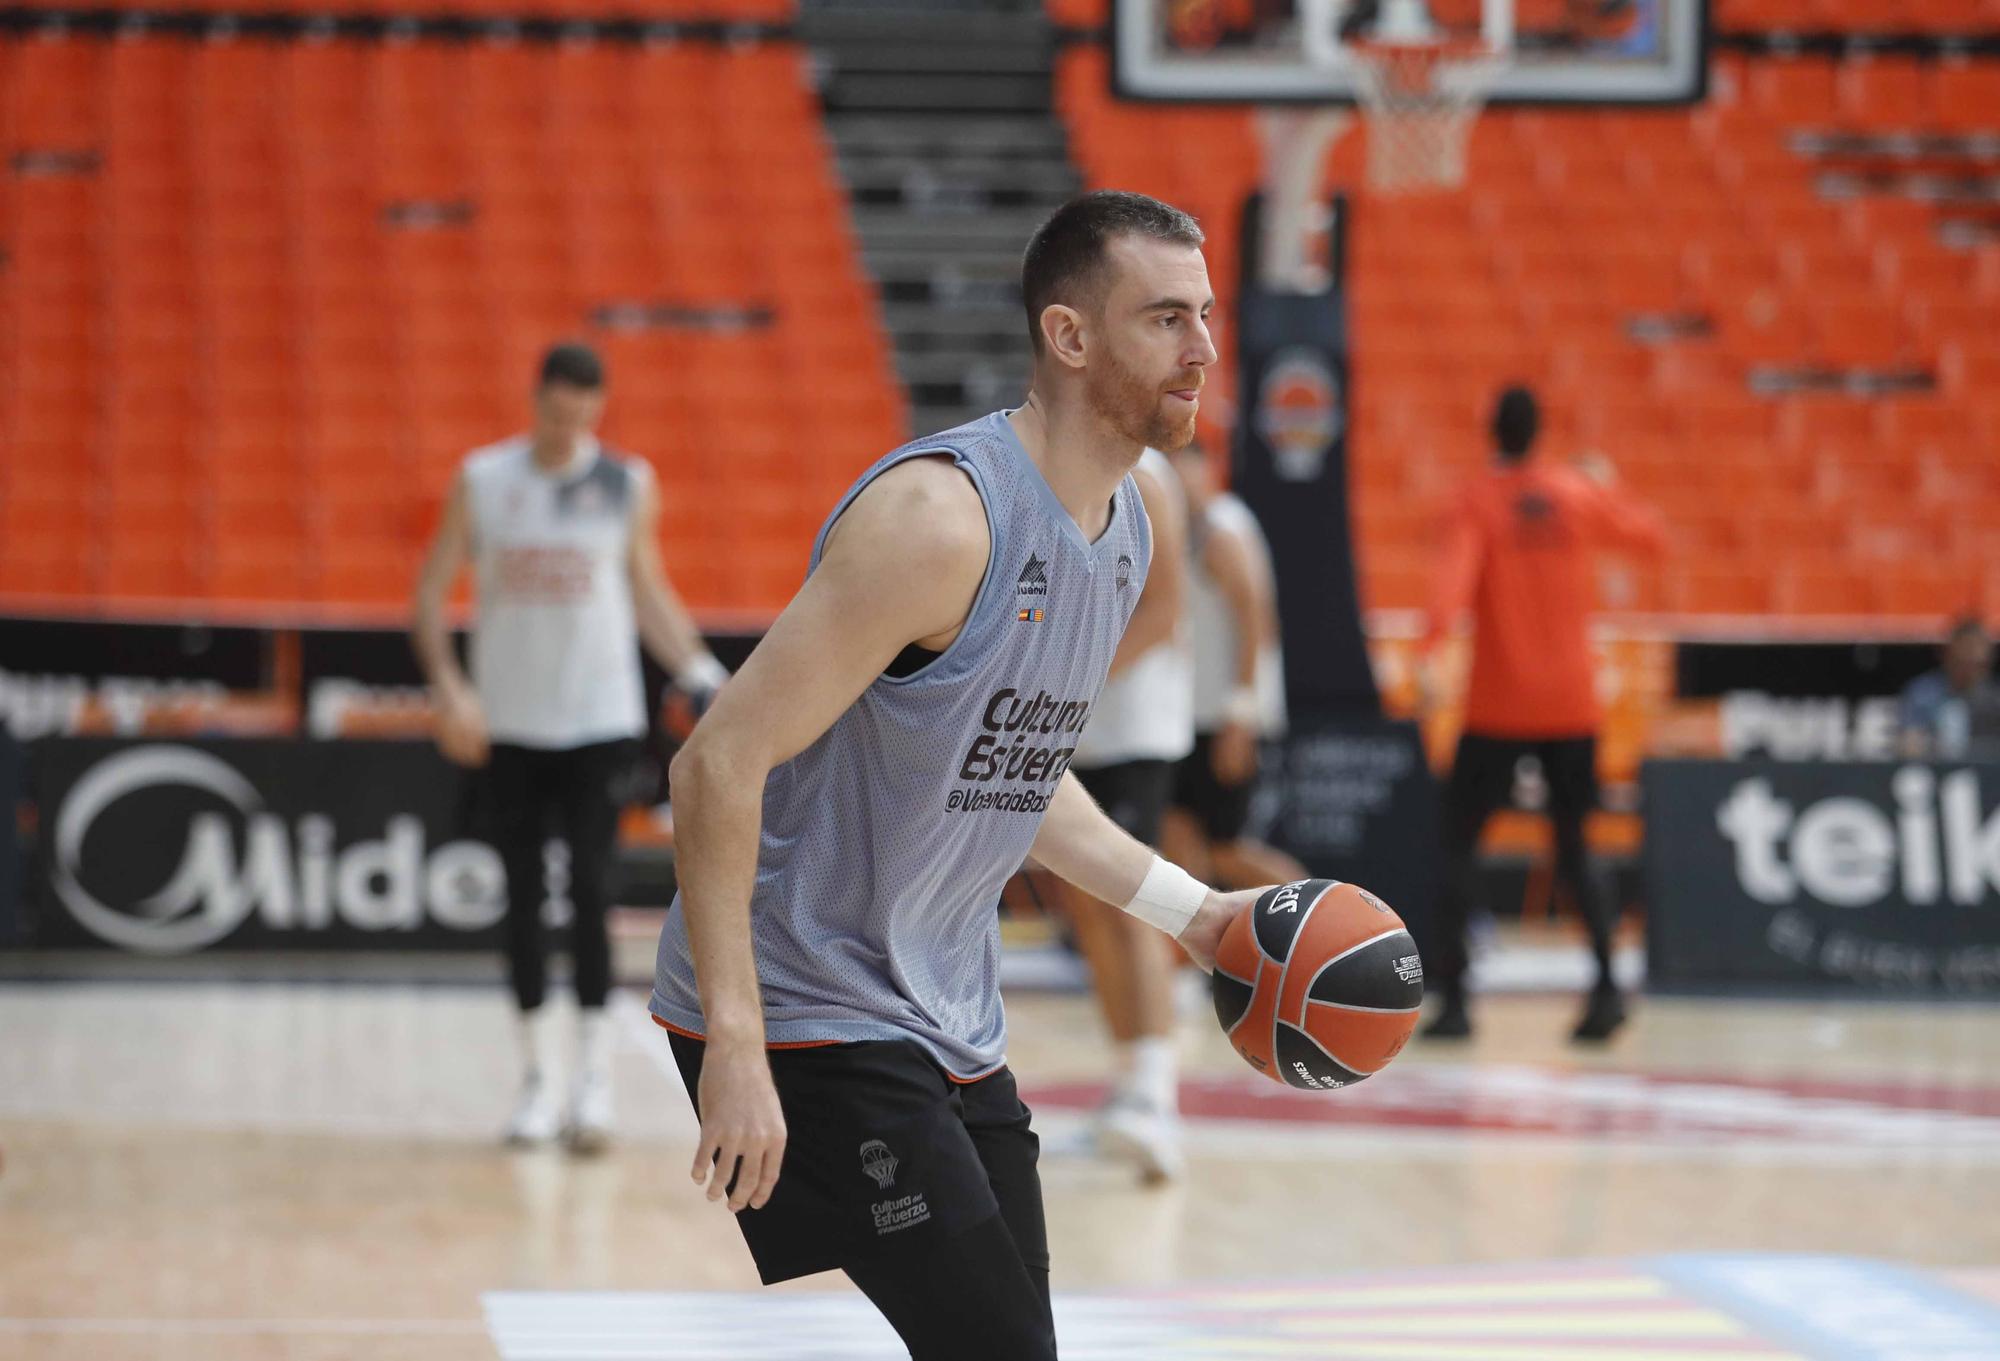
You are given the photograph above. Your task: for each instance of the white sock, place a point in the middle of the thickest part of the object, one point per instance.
(593, 1046)
(1153, 1071)
(539, 1045)
(1124, 1074)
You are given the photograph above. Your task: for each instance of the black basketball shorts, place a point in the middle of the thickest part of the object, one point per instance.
(887, 1157)
(1133, 794)
(1223, 810)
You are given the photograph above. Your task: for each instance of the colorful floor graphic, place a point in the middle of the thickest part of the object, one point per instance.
(1692, 1308)
(1596, 1104)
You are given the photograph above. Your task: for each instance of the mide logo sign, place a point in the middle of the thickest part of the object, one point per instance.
(236, 861)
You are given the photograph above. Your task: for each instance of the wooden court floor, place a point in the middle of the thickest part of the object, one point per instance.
(244, 1172)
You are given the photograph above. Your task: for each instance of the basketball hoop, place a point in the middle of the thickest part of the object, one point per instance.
(1419, 98)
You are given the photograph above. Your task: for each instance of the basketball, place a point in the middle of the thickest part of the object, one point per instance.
(1318, 984)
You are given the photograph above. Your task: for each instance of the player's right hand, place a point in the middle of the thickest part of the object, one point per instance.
(682, 707)
(1427, 697)
(461, 728)
(1596, 467)
(1203, 936)
(742, 1127)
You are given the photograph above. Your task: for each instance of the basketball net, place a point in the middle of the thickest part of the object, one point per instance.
(1419, 99)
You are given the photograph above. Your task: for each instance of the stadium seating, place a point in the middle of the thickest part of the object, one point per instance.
(259, 297)
(672, 11)
(1838, 16)
(1567, 231)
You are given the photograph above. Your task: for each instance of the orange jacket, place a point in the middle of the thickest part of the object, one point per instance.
(1519, 550)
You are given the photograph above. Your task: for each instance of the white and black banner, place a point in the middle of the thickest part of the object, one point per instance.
(1878, 875)
(1354, 800)
(167, 847)
(12, 794)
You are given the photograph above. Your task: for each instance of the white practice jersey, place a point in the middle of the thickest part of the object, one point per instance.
(555, 650)
(1213, 627)
(1146, 711)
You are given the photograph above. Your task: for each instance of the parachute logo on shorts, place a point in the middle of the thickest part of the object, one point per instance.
(878, 1162)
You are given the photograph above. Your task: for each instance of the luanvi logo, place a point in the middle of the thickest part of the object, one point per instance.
(1124, 571)
(1034, 577)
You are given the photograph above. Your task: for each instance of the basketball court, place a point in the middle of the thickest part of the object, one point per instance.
(247, 1170)
(287, 1149)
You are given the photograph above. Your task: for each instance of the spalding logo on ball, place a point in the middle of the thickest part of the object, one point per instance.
(1318, 984)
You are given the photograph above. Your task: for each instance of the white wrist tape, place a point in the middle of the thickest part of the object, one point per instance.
(1168, 898)
(702, 673)
(1242, 707)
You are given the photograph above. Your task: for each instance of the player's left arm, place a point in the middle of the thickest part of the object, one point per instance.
(1451, 592)
(1457, 572)
(1615, 517)
(1079, 842)
(1158, 612)
(1247, 596)
(665, 626)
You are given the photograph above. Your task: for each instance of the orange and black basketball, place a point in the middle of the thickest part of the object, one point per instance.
(1318, 984)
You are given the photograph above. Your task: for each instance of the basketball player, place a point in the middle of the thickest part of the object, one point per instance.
(1520, 550)
(896, 747)
(1239, 686)
(563, 539)
(1141, 725)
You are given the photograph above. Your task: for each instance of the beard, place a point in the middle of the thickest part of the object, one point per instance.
(1138, 409)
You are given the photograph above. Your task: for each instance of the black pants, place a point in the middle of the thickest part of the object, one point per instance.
(532, 793)
(922, 1188)
(1133, 794)
(1482, 778)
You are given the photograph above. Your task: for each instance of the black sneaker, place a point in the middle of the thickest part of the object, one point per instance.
(1602, 1015)
(1453, 1022)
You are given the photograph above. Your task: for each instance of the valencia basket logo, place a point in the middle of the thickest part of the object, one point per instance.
(1298, 412)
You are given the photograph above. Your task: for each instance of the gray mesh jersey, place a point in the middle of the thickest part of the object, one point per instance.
(886, 842)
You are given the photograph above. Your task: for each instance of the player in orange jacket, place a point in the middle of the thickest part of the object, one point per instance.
(1520, 553)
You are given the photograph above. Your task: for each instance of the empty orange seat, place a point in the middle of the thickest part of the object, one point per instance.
(1940, 592)
(1884, 92)
(1793, 89)
(148, 567)
(1699, 589)
(1966, 94)
(306, 278)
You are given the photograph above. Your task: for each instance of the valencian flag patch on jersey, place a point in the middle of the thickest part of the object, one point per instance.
(1028, 616)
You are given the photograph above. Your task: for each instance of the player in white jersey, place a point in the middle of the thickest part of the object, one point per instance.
(1139, 731)
(1238, 686)
(562, 537)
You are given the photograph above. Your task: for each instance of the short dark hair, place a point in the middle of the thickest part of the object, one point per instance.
(1517, 419)
(1966, 626)
(573, 363)
(1065, 254)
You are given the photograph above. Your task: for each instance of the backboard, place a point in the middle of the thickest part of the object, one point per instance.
(1294, 51)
